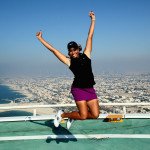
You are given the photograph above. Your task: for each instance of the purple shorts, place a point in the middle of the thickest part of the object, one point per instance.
(81, 94)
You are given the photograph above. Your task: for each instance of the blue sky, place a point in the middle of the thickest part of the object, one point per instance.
(121, 38)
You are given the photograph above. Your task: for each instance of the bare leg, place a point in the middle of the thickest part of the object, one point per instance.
(94, 110)
(87, 110)
(79, 115)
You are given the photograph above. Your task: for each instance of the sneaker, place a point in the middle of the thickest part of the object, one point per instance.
(58, 118)
(69, 123)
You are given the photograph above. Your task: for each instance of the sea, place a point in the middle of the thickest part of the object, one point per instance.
(7, 94)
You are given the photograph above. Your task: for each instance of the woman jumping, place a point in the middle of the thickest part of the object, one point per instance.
(82, 87)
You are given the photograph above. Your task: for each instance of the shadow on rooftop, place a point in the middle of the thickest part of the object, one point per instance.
(59, 131)
(13, 113)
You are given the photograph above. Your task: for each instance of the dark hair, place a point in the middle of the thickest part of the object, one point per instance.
(80, 47)
(73, 44)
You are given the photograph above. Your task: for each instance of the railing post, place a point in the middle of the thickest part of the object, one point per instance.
(124, 110)
(34, 112)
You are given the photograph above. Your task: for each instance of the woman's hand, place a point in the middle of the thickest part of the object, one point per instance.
(92, 15)
(39, 35)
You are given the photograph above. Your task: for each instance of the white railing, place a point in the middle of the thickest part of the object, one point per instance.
(33, 106)
(30, 105)
(52, 116)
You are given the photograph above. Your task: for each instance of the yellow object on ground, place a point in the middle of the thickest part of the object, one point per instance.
(114, 118)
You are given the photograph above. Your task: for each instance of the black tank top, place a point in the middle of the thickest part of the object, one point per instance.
(82, 70)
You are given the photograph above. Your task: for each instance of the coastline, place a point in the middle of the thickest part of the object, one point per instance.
(26, 95)
(19, 90)
(110, 89)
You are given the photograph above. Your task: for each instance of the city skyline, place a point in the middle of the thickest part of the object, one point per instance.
(121, 38)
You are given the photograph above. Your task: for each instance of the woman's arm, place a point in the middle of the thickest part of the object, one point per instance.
(56, 52)
(88, 47)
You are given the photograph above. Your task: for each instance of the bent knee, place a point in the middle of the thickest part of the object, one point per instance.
(96, 115)
(83, 116)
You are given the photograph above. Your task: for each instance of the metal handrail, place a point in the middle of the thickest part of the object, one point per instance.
(67, 105)
(45, 117)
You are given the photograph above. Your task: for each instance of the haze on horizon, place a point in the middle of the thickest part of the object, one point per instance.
(121, 38)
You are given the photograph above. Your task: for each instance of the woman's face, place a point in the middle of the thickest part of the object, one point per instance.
(74, 53)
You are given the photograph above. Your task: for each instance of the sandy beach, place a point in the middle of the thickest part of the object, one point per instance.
(39, 111)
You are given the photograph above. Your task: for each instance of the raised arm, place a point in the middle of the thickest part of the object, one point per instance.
(88, 47)
(56, 52)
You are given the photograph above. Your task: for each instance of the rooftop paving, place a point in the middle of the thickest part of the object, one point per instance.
(87, 134)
